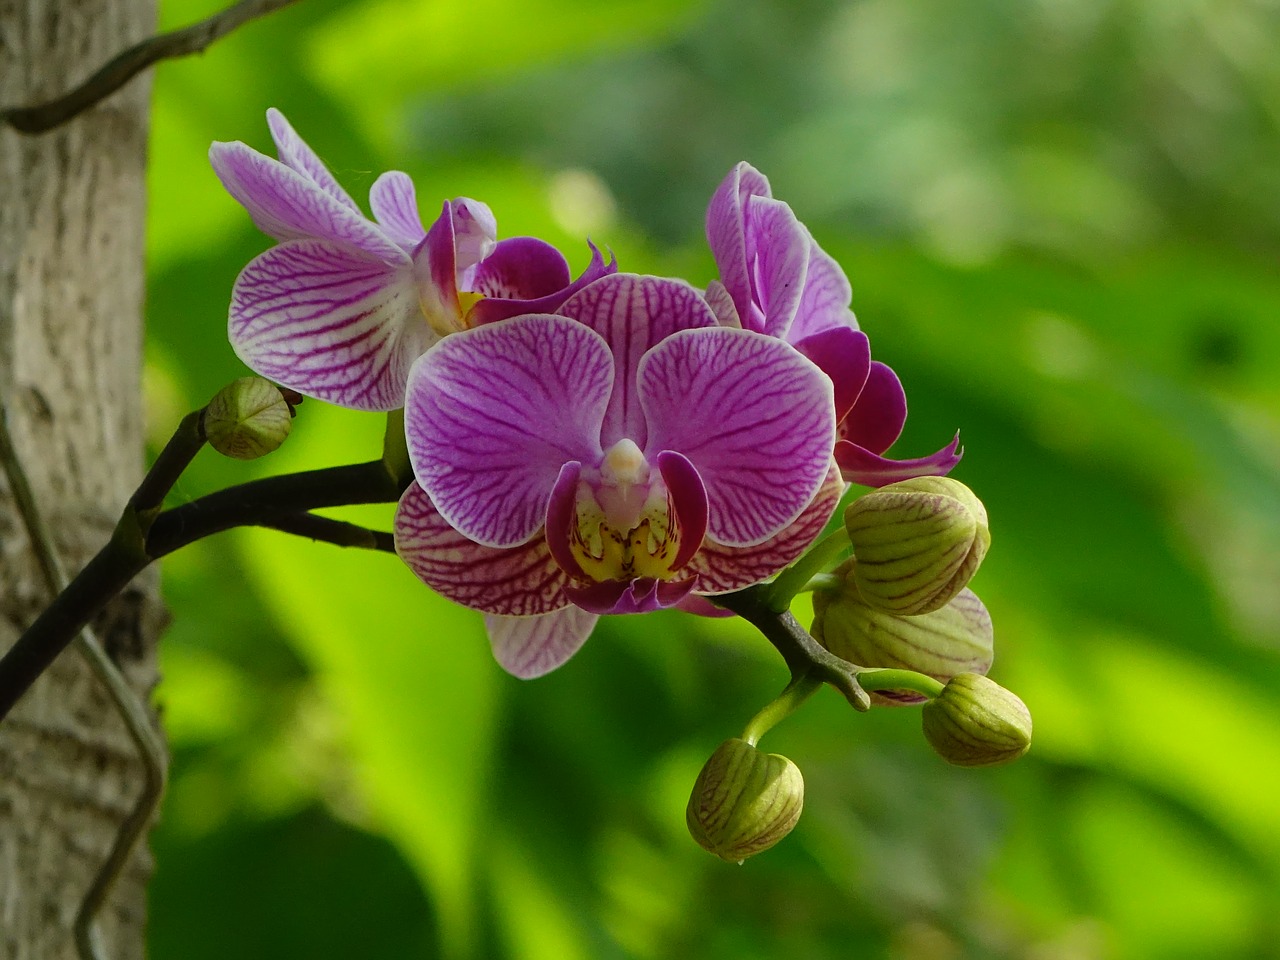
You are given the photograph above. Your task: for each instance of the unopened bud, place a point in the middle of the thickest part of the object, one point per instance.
(247, 419)
(943, 643)
(975, 722)
(918, 542)
(744, 801)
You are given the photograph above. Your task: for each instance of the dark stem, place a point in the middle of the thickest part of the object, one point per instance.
(186, 442)
(804, 656)
(127, 64)
(338, 532)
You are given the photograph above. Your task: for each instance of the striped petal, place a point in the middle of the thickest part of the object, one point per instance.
(325, 321)
(494, 413)
(295, 153)
(721, 569)
(394, 202)
(825, 300)
(518, 581)
(861, 466)
(289, 205)
(727, 237)
(754, 417)
(529, 647)
(634, 313)
(497, 274)
(778, 254)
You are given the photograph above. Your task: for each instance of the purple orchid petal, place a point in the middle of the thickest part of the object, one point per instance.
(294, 153)
(688, 503)
(721, 569)
(860, 465)
(634, 313)
(561, 516)
(778, 255)
(493, 308)
(529, 647)
(727, 237)
(492, 415)
(721, 305)
(394, 203)
(642, 595)
(289, 205)
(876, 419)
(522, 268)
(844, 355)
(475, 231)
(755, 417)
(325, 321)
(825, 301)
(518, 581)
(437, 258)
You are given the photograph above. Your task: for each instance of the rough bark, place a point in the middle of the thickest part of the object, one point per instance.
(71, 288)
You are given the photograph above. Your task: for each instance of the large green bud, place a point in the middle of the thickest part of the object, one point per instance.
(975, 722)
(943, 643)
(744, 801)
(247, 419)
(918, 542)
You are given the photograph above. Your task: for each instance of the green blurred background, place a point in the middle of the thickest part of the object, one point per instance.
(1061, 221)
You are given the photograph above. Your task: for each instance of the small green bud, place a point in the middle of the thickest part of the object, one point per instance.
(247, 419)
(943, 643)
(744, 801)
(975, 722)
(918, 542)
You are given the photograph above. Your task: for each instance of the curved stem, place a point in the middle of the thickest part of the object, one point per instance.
(797, 692)
(338, 532)
(803, 654)
(900, 680)
(793, 580)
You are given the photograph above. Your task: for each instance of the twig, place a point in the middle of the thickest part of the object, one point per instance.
(326, 530)
(128, 704)
(121, 68)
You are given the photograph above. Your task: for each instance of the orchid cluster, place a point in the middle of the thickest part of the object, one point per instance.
(611, 444)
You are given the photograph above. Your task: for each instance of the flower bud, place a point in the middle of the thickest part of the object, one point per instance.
(956, 639)
(744, 801)
(917, 542)
(975, 722)
(247, 419)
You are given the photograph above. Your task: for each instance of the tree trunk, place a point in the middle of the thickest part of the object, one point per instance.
(71, 288)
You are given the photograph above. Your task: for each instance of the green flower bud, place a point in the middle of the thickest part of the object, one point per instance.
(975, 722)
(943, 643)
(918, 542)
(247, 419)
(744, 801)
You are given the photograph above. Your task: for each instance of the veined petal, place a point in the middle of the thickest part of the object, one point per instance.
(844, 355)
(518, 581)
(877, 416)
(778, 257)
(493, 307)
(529, 647)
(436, 264)
(289, 205)
(522, 268)
(323, 320)
(721, 305)
(688, 502)
(727, 238)
(633, 313)
(394, 203)
(642, 595)
(754, 417)
(295, 153)
(860, 465)
(493, 414)
(721, 569)
(825, 300)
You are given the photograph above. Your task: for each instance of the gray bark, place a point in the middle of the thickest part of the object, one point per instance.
(71, 288)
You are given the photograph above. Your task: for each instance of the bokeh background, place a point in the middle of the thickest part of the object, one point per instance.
(1061, 220)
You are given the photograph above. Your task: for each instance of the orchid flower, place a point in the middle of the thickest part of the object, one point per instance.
(621, 455)
(343, 305)
(776, 280)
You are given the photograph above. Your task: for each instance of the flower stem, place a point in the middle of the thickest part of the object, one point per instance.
(797, 692)
(900, 680)
(794, 579)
